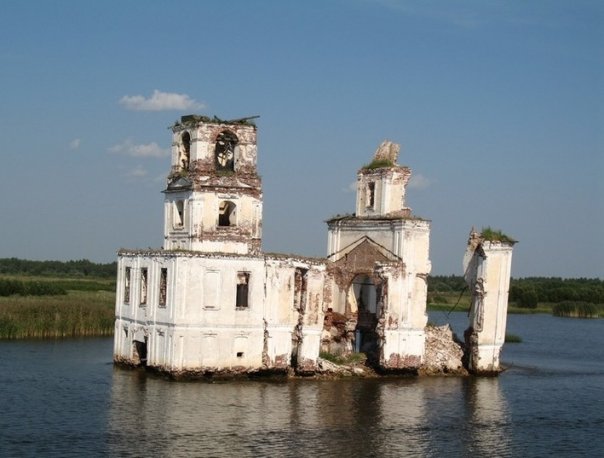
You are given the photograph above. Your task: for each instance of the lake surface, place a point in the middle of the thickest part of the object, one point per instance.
(65, 398)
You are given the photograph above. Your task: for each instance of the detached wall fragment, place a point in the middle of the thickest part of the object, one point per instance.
(487, 268)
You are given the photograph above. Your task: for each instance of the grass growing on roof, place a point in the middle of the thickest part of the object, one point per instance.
(495, 235)
(378, 164)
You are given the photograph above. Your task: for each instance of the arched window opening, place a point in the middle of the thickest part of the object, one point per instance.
(185, 150)
(225, 151)
(226, 213)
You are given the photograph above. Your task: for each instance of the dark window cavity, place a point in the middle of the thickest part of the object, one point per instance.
(226, 213)
(225, 151)
(243, 280)
(179, 213)
(371, 195)
(127, 274)
(144, 276)
(185, 155)
(163, 286)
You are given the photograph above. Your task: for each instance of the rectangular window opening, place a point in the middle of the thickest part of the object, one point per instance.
(243, 280)
(371, 195)
(144, 274)
(127, 273)
(163, 287)
(239, 354)
(179, 213)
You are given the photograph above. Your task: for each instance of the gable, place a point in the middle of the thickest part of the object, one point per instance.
(362, 255)
(179, 184)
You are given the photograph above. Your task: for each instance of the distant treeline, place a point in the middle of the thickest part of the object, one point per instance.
(81, 268)
(527, 292)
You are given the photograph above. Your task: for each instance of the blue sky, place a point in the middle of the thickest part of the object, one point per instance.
(499, 107)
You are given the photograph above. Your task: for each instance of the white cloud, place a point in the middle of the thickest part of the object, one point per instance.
(129, 148)
(418, 181)
(137, 172)
(160, 101)
(74, 144)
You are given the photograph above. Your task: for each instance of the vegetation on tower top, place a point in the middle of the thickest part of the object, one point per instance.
(495, 235)
(378, 164)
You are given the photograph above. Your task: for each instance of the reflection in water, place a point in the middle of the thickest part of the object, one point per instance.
(490, 419)
(387, 417)
(64, 398)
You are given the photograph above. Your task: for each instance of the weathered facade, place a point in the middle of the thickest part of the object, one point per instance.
(378, 264)
(487, 267)
(210, 302)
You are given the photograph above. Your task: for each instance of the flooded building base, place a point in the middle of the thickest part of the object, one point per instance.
(212, 303)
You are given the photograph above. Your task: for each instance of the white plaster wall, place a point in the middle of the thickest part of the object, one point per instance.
(404, 319)
(389, 194)
(489, 316)
(201, 211)
(406, 342)
(309, 347)
(495, 271)
(279, 307)
(200, 328)
(406, 237)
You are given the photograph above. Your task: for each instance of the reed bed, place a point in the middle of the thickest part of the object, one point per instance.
(78, 313)
(578, 309)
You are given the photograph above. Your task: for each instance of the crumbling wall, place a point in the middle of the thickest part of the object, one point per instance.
(310, 322)
(401, 344)
(487, 270)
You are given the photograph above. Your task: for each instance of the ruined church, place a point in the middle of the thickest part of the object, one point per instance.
(211, 302)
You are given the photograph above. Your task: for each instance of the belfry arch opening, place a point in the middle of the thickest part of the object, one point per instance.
(226, 214)
(224, 153)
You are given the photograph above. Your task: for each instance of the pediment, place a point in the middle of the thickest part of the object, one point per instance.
(362, 255)
(179, 184)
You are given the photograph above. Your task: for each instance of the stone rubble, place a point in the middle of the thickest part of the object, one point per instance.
(443, 353)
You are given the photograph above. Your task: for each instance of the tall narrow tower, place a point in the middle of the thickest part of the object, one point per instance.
(487, 270)
(213, 201)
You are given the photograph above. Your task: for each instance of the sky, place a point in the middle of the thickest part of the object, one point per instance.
(498, 107)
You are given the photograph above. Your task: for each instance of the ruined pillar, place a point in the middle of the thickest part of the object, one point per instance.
(487, 266)
(402, 321)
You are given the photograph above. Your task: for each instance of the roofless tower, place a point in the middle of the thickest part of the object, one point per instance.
(213, 201)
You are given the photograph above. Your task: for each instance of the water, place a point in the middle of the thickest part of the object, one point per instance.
(64, 398)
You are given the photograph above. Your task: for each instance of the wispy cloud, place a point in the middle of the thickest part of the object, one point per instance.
(160, 101)
(137, 172)
(129, 148)
(468, 15)
(352, 187)
(434, 10)
(419, 181)
(74, 144)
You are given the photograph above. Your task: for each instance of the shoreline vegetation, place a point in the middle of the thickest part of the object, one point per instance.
(54, 299)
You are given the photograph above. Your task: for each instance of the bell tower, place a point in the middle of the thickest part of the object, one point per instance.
(213, 201)
(381, 184)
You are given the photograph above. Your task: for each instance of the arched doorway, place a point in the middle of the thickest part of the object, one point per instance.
(364, 296)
